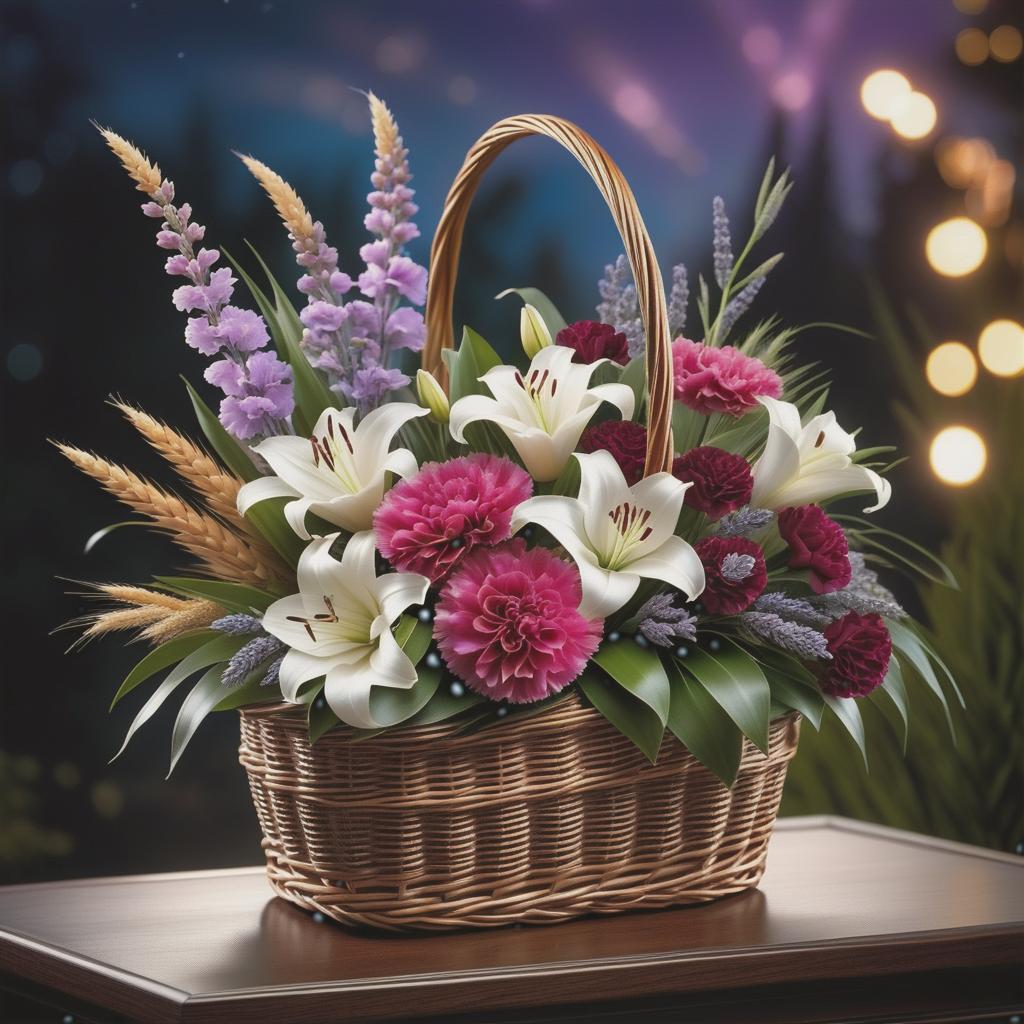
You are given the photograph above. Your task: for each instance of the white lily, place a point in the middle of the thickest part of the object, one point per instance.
(338, 473)
(339, 626)
(803, 464)
(544, 411)
(617, 534)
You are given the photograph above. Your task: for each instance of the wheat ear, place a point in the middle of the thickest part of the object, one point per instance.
(385, 128)
(217, 487)
(143, 172)
(289, 206)
(223, 551)
(157, 616)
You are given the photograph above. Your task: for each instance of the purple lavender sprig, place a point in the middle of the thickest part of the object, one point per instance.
(352, 342)
(257, 386)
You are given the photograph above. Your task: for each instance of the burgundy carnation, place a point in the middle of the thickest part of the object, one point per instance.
(592, 341)
(624, 440)
(508, 623)
(721, 481)
(860, 646)
(816, 543)
(709, 379)
(430, 522)
(726, 591)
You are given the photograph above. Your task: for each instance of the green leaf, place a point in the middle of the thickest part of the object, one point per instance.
(791, 684)
(312, 395)
(634, 376)
(640, 671)
(736, 681)
(392, 707)
(909, 647)
(444, 705)
(700, 724)
(268, 518)
(907, 553)
(251, 692)
(895, 689)
(214, 652)
(413, 637)
(474, 358)
(100, 534)
(201, 700)
(846, 710)
(322, 719)
(553, 320)
(917, 630)
(160, 657)
(231, 453)
(634, 718)
(568, 482)
(235, 597)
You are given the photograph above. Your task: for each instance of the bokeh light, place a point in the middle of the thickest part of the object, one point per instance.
(792, 91)
(1005, 43)
(951, 368)
(883, 91)
(970, 6)
(972, 46)
(1001, 348)
(462, 90)
(956, 247)
(957, 455)
(762, 46)
(915, 116)
(964, 162)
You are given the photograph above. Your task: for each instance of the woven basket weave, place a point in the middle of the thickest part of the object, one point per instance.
(535, 820)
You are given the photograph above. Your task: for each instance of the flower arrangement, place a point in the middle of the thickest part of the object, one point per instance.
(386, 552)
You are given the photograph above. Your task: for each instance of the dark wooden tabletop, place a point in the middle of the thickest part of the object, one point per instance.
(840, 901)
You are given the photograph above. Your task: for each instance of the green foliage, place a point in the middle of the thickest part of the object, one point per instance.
(312, 395)
(973, 792)
(231, 453)
(235, 597)
(553, 320)
(633, 717)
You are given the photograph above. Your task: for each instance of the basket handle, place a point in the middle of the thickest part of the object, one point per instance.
(444, 260)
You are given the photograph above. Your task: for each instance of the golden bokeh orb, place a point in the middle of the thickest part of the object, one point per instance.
(883, 91)
(956, 247)
(1001, 348)
(1006, 43)
(951, 368)
(915, 116)
(971, 47)
(957, 456)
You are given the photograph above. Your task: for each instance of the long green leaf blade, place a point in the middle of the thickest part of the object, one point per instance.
(160, 657)
(632, 717)
(698, 721)
(232, 454)
(640, 671)
(736, 681)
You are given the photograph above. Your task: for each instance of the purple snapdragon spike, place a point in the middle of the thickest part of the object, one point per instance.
(257, 385)
(352, 342)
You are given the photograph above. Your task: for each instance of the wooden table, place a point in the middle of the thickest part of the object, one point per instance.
(852, 923)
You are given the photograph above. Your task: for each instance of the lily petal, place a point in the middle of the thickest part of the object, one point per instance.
(675, 563)
(377, 430)
(263, 489)
(347, 692)
(605, 591)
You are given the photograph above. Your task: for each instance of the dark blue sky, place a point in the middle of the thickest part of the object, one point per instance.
(680, 92)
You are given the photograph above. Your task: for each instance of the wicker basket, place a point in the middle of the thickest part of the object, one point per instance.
(535, 820)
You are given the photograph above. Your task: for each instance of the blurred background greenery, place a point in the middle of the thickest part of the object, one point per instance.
(910, 179)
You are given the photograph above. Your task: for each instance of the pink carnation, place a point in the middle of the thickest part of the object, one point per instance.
(508, 626)
(709, 379)
(430, 522)
(861, 647)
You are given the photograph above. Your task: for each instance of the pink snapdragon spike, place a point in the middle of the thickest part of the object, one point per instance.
(508, 623)
(709, 379)
(431, 522)
(258, 390)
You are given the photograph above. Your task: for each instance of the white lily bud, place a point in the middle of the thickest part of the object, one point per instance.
(533, 331)
(432, 396)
